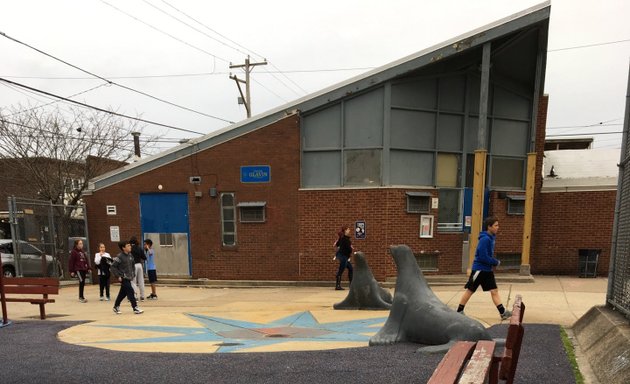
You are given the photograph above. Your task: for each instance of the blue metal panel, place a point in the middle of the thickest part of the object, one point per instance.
(468, 196)
(164, 212)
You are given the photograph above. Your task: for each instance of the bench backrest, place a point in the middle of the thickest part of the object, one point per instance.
(31, 285)
(513, 342)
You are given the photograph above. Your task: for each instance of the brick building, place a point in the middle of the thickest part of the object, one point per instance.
(390, 151)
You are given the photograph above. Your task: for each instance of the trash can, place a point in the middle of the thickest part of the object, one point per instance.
(587, 263)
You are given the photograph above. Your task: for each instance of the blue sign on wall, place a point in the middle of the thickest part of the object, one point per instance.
(256, 174)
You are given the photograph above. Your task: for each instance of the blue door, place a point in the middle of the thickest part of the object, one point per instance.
(164, 220)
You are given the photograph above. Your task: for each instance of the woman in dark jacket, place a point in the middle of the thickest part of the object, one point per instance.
(344, 252)
(79, 265)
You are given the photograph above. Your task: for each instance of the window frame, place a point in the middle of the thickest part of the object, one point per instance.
(510, 200)
(420, 196)
(224, 233)
(252, 205)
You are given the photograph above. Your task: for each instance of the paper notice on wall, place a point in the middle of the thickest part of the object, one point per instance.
(114, 233)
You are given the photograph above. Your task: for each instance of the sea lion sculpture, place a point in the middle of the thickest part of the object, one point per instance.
(418, 316)
(365, 293)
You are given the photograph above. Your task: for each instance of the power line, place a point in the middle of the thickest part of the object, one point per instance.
(585, 126)
(197, 74)
(245, 48)
(585, 133)
(111, 82)
(588, 45)
(99, 109)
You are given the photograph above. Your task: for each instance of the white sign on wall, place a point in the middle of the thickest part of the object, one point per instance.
(114, 233)
(434, 202)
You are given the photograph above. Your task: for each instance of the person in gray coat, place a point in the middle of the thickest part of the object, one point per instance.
(123, 269)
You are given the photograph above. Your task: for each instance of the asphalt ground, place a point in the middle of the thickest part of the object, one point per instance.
(32, 353)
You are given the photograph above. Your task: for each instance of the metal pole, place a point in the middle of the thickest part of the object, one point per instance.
(15, 235)
(480, 156)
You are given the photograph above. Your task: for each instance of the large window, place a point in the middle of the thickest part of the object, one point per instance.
(228, 219)
(252, 212)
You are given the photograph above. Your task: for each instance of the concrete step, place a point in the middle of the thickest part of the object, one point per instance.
(435, 280)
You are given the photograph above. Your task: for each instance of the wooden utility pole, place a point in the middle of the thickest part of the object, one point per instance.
(247, 67)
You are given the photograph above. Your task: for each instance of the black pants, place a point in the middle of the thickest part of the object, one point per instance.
(344, 263)
(103, 284)
(126, 290)
(81, 276)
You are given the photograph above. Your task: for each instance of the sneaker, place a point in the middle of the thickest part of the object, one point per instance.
(142, 299)
(152, 297)
(82, 300)
(462, 312)
(117, 310)
(506, 315)
(107, 298)
(137, 310)
(102, 298)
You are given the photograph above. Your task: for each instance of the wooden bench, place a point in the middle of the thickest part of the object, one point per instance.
(28, 286)
(476, 362)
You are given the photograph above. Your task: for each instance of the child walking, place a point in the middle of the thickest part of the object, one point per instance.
(123, 269)
(103, 260)
(78, 266)
(151, 270)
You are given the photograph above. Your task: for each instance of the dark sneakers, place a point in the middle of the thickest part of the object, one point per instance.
(152, 297)
(117, 310)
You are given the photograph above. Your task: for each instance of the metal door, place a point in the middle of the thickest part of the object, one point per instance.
(164, 220)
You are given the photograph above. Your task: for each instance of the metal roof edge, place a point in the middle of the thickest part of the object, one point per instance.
(474, 38)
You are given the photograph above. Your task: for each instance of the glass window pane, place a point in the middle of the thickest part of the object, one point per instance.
(228, 227)
(510, 138)
(508, 104)
(364, 121)
(229, 239)
(447, 170)
(411, 168)
(452, 93)
(227, 199)
(450, 132)
(415, 94)
(412, 129)
(228, 214)
(321, 169)
(362, 167)
(448, 208)
(322, 129)
(507, 172)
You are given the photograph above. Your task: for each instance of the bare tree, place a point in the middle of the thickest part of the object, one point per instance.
(58, 152)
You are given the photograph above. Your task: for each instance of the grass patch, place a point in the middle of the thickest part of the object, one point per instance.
(568, 347)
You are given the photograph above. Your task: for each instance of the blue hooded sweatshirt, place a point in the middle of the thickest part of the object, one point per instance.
(484, 260)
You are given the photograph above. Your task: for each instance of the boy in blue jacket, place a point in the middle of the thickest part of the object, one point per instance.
(482, 273)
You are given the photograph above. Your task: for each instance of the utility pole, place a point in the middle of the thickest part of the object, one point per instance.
(247, 67)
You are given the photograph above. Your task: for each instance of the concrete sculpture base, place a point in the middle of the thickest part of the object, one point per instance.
(365, 293)
(418, 316)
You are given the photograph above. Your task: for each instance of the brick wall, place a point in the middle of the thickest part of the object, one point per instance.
(264, 251)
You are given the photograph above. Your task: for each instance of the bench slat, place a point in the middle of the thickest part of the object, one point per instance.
(30, 281)
(32, 301)
(30, 289)
(478, 366)
(451, 365)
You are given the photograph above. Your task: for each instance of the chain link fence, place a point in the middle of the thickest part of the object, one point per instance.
(42, 236)
(619, 275)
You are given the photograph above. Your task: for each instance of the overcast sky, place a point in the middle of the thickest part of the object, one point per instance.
(313, 44)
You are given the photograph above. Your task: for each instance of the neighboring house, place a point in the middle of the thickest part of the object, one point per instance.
(575, 209)
(389, 152)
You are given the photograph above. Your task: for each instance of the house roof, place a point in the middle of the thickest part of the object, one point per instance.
(456, 45)
(580, 170)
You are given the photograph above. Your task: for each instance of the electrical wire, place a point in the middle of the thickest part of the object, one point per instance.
(100, 109)
(111, 82)
(589, 45)
(238, 50)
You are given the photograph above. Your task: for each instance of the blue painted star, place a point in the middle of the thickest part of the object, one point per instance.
(233, 335)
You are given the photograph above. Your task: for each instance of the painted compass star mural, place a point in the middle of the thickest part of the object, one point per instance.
(230, 335)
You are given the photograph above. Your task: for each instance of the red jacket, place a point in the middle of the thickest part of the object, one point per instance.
(79, 261)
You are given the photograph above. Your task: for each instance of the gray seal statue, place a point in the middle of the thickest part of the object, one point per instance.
(365, 293)
(418, 316)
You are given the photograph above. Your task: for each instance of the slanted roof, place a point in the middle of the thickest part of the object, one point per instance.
(580, 170)
(413, 62)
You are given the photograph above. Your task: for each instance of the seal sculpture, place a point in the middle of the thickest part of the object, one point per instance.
(365, 293)
(418, 316)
